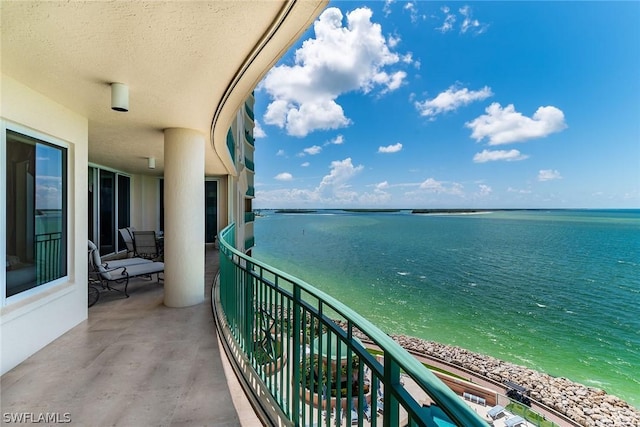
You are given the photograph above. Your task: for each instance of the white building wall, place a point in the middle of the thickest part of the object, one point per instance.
(29, 324)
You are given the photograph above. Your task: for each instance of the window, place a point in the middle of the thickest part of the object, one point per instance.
(211, 210)
(36, 212)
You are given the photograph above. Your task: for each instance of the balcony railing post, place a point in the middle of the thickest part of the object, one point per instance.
(391, 380)
(249, 317)
(297, 359)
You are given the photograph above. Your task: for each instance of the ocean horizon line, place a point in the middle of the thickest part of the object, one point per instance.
(382, 210)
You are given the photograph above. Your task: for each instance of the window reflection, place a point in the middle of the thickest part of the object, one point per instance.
(36, 212)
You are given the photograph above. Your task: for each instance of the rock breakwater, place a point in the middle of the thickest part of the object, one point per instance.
(588, 406)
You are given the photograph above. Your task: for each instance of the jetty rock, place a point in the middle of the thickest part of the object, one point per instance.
(587, 406)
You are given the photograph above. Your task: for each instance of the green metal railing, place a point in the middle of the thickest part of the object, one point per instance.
(249, 217)
(50, 263)
(249, 243)
(251, 191)
(249, 111)
(231, 145)
(249, 164)
(306, 351)
(249, 138)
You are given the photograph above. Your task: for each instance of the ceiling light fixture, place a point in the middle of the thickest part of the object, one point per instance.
(152, 162)
(119, 97)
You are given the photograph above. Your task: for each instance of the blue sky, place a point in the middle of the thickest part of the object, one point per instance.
(395, 104)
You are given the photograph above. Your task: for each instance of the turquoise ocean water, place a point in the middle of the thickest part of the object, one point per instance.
(557, 291)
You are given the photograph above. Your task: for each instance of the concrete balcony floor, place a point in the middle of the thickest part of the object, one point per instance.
(134, 362)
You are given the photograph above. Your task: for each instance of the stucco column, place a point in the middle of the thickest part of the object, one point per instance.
(183, 217)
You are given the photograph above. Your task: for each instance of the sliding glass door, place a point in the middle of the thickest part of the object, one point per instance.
(107, 211)
(109, 208)
(211, 210)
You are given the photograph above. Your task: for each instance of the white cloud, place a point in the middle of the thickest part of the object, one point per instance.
(548, 175)
(393, 41)
(305, 164)
(390, 148)
(394, 81)
(48, 191)
(519, 191)
(284, 176)
(431, 185)
(449, 20)
(484, 190)
(313, 115)
(280, 152)
(339, 59)
(377, 197)
(335, 184)
(382, 185)
(450, 100)
(276, 113)
(288, 197)
(334, 189)
(469, 23)
(506, 125)
(413, 11)
(387, 7)
(493, 155)
(313, 150)
(258, 132)
(338, 140)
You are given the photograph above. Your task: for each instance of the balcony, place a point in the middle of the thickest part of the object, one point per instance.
(303, 366)
(249, 112)
(249, 164)
(249, 217)
(249, 138)
(137, 362)
(249, 243)
(231, 145)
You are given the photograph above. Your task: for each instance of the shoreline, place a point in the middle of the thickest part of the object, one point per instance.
(587, 406)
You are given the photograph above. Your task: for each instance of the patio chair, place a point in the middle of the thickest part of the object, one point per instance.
(120, 271)
(495, 412)
(95, 259)
(127, 237)
(146, 245)
(514, 421)
(121, 275)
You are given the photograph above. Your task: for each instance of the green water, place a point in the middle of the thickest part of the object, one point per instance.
(557, 291)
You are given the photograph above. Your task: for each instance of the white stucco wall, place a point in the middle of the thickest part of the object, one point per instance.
(30, 323)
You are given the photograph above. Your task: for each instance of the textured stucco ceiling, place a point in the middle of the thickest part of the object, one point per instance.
(178, 58)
